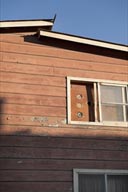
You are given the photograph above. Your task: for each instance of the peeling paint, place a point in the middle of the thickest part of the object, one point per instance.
(52, 125)
(64, 121)
(39, 119)
(49, 121)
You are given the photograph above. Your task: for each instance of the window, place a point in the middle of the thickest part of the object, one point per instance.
(99, 102)
(100, 180)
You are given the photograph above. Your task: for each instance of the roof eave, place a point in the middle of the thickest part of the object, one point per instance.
(25, 25)
(82, 40)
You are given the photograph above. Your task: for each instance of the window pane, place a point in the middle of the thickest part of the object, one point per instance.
(117, 183)
(112, 113)
(111, 94)
(126, 113)
(91, 183)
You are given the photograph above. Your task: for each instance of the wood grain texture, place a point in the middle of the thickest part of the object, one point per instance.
(33, 89)
(66, 131)
(62, 142)
(34, 110)
(52, 153)
(33, 120)
(60, 60)
(27, 99)
(38, 49)
(35, 175)
(61, 72)
(57, 164)
(33, 186)
(32, 79)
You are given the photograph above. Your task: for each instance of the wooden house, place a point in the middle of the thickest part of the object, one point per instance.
(64, 111)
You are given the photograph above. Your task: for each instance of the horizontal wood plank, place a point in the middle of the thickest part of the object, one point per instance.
(57, 164)
(36, 175)
(38, 49)
(59, 72)
(48, 153)
(63, 61)
(32, 79)
(33, 110)
(41, 100)
(11, 38)
(63, 142)
(67, 131)
(33, 120)
(19, 67)
(34, 186)
(33, 89)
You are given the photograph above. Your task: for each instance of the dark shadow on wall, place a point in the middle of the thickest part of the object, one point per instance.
(32, 39)
(30, 161)
(75, 46)
(2, 101)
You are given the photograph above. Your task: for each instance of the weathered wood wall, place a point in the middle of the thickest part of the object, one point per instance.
(38, 150)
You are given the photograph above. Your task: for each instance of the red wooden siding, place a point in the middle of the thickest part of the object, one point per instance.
(49, 160)
(38, 149)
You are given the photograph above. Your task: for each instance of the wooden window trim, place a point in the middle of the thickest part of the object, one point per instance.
(98, 81)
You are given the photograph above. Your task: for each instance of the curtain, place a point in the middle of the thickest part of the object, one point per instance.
(91, 183)
(117, 183)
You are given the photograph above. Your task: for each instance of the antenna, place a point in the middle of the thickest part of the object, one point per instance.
(54, 18)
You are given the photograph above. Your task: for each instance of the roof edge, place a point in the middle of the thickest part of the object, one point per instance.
(82, 40)
(26, 23)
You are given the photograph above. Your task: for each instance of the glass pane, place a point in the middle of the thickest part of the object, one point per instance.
(111, 94)
(126, 113)
(117, 183)
(112, 113)
(91, 183)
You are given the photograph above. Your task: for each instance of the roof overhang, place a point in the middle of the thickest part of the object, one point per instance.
(26, 25)
(82, 40)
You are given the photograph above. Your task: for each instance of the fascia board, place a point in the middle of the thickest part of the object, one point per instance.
(8, 24)
(82, 40)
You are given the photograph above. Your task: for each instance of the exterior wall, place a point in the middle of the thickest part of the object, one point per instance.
(38, 149)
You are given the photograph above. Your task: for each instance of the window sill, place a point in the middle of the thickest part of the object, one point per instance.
(105, 123)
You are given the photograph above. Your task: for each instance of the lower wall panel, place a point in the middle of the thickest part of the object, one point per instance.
(45, 164)
(35, 175)
(63, 143)
(36, 186)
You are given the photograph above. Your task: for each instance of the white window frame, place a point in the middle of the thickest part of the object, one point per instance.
(98, 82)
(105, 172)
